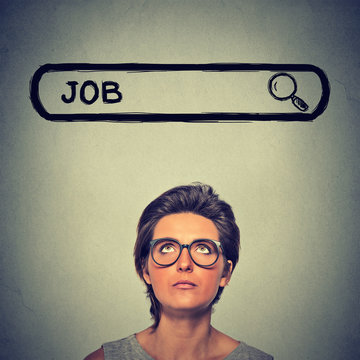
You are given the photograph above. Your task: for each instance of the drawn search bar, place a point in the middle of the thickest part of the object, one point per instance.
(179, 92)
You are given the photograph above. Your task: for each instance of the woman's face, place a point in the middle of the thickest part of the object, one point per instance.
(185, 286)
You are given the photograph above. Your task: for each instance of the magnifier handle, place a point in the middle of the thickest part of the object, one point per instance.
(299, 103)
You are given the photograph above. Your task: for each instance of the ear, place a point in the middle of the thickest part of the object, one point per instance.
(226, 276)
(146, 274)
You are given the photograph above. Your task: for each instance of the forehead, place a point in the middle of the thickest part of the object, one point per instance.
(185, 227)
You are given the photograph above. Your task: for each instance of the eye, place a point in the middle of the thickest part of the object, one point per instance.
(203, 249)
(166, 248)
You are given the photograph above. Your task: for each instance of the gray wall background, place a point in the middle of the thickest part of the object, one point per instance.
(71, 193)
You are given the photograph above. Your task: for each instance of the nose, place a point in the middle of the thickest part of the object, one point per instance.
(184, 262)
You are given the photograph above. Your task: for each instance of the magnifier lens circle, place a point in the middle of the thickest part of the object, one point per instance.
(283, 86)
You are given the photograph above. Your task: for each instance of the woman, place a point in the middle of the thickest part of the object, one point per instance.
(186, 250)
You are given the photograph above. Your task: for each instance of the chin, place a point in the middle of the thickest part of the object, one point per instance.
(190, 305)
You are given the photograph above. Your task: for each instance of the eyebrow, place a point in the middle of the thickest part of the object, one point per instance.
(218, 242)
(171, 238)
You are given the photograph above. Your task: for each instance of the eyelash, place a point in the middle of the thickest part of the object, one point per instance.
(166, 245)
(205, 247)
(198, 246)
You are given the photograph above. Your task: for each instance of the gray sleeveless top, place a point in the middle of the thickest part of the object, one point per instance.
(129, 349)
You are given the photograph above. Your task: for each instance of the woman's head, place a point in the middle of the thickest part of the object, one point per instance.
(217, 221)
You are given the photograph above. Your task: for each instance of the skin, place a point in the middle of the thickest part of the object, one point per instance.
(185, 323)
(185, 227)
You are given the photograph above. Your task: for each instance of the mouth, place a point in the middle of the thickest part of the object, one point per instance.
(184, 284)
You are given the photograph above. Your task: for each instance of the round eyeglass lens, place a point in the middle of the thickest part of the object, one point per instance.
(203, 252)
(165, 252)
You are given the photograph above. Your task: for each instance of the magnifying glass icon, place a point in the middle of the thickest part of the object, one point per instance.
(282, 86)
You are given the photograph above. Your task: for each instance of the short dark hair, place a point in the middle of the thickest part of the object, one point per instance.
(196, 198)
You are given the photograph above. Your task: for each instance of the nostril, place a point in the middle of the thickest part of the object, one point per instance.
(185, 262)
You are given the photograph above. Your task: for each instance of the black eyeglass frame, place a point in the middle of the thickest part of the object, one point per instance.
(187, 246)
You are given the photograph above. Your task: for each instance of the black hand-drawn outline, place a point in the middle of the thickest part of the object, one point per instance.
(283, 86)
(186, 117)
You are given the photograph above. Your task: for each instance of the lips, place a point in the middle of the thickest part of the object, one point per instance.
(184, 284)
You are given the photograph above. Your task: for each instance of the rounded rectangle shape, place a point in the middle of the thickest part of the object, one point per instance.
(180, 92)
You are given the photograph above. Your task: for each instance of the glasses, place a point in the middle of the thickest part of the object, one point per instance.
(203, 252)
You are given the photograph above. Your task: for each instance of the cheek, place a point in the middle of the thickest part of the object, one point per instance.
(159, 279)
(212, 281)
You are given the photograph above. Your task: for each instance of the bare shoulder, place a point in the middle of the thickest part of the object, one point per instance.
(145, 338)
(96, 355)
(224, 338)
(224, 343)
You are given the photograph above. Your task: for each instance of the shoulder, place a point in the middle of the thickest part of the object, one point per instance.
(237, 350)
(124, 344)
(109, 349)
(244, 351)
(96, 355)
(126, 349)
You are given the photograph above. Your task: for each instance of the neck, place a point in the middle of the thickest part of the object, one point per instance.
(188, 323)
(187, 336)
